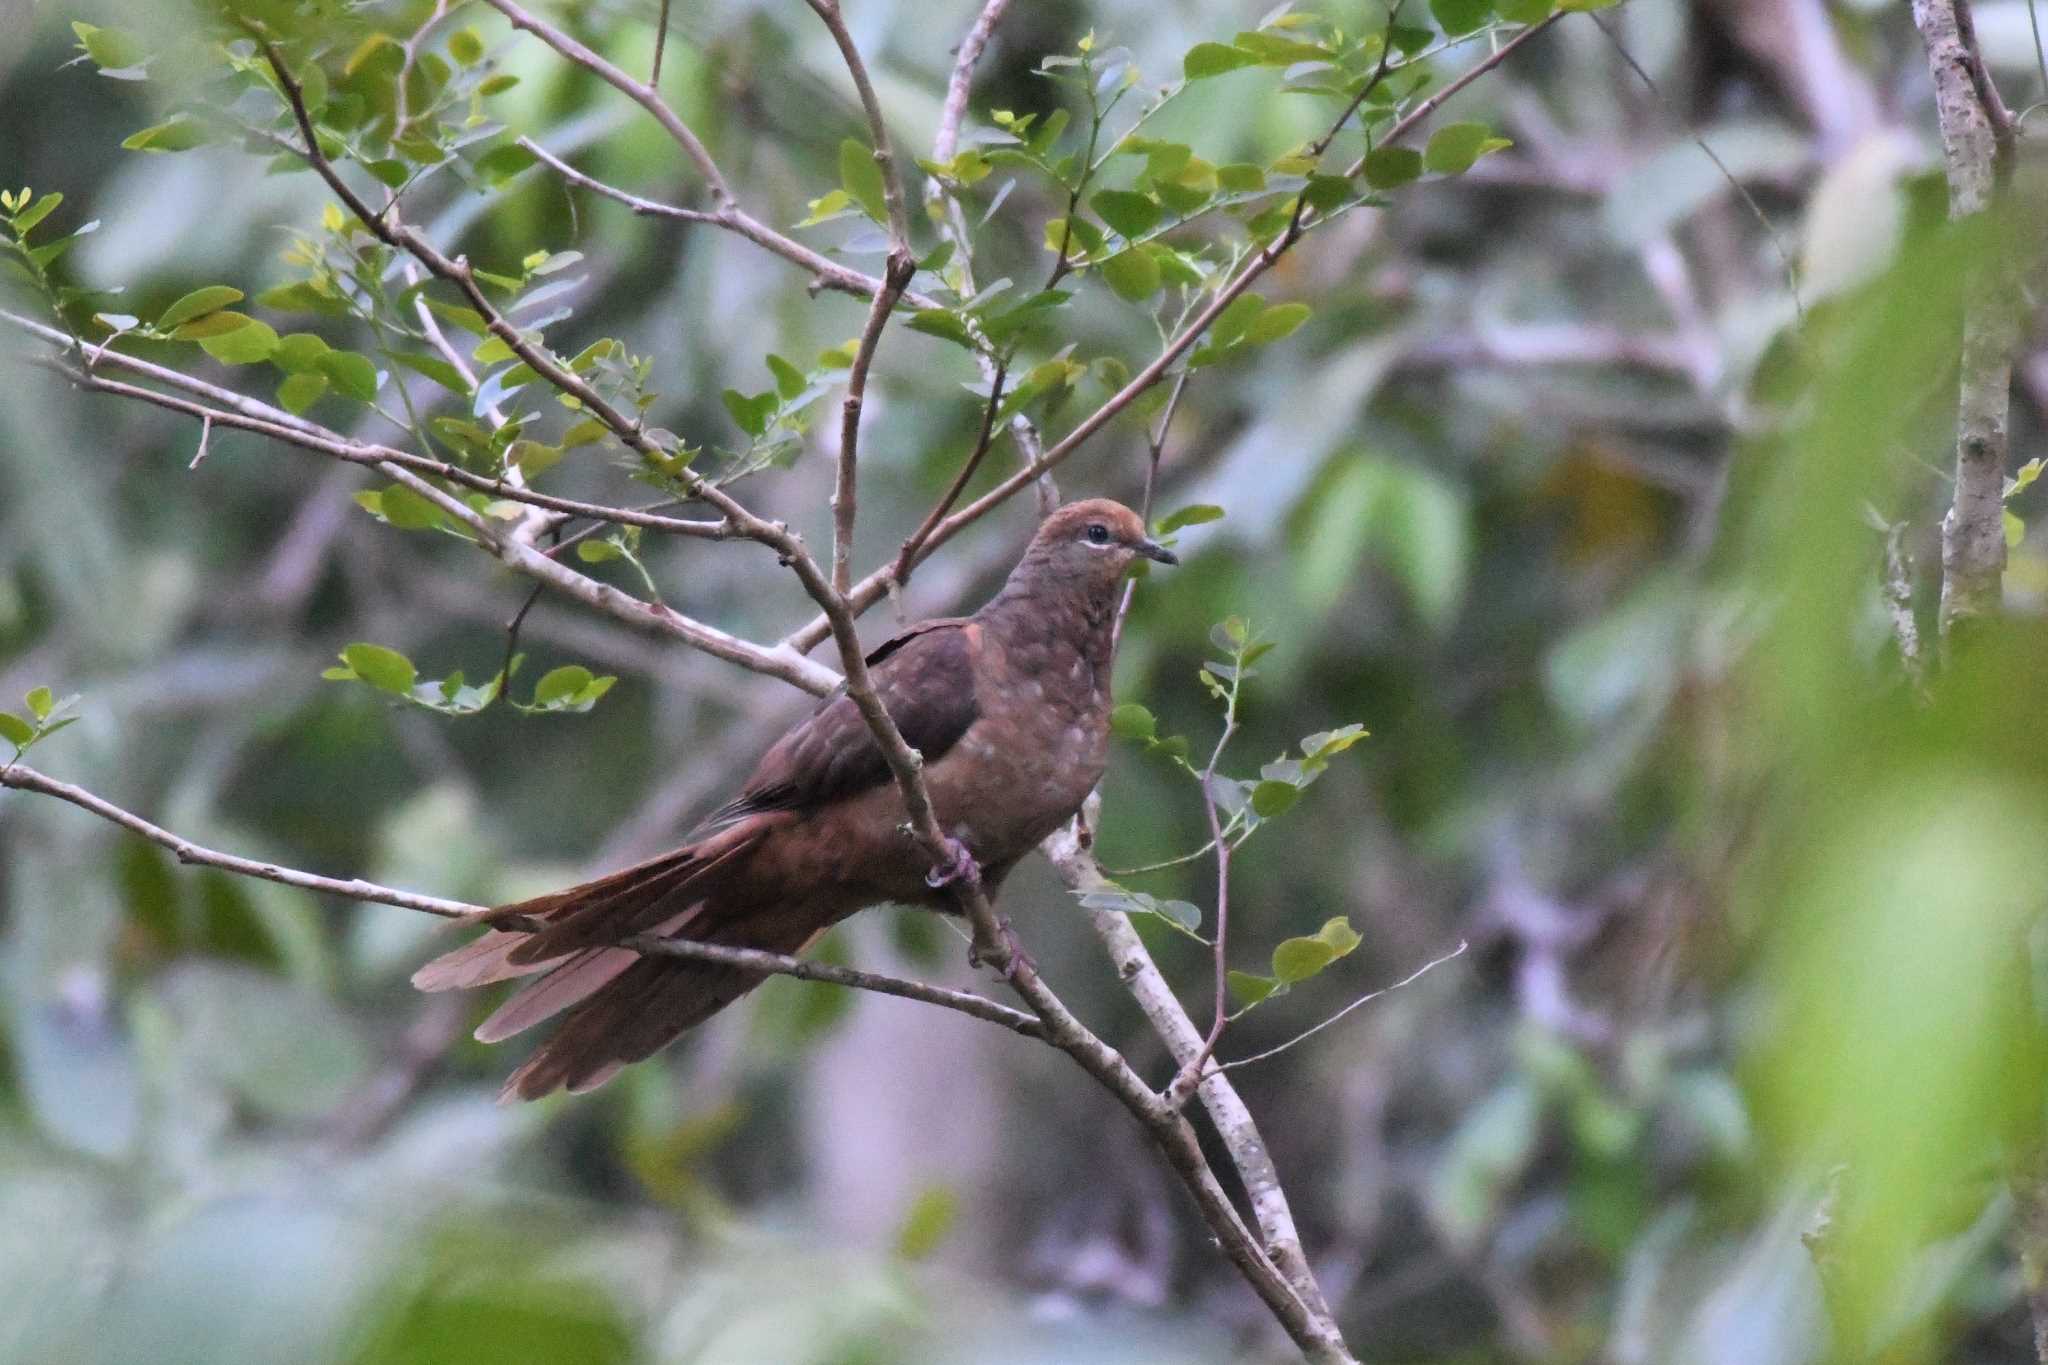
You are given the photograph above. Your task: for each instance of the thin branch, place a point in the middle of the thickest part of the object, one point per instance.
(1365, 999)
(877, 584)
(965, 59)
(828, 273)
(1974, 127)
(1155, 450)
(878, 127)
(642, 93)
(660, 44)
(1071, 853)
(1741, 190)
(908, 554)
(775, 662)
(845, 490)
(751, 959)
(1898, 602)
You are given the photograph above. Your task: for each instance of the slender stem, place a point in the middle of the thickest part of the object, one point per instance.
(845, 494)
(777, 964)
(1366, 999)
(908, 554)
(878, 127)
(642, 93)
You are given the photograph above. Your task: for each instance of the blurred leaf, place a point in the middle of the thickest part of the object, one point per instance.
(198, 303)
(382, 668)
(1214, 59)
(1454, 147)
(931, 1217)
(861, 177)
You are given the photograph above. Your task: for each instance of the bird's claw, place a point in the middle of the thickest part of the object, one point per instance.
(959, 867)
(1012, 957)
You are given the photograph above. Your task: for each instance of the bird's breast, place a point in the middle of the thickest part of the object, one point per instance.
(1037, 749)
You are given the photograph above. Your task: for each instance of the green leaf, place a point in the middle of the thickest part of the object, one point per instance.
(1281, 320)
(40, 702)
(1248, 989)
(466, 46)
(299, 352)
(942, 322)
(2015, 531)
(407, 510)
(1298, 959)
(1338, 933)
(1132, 721)
(1274, 798)
(1129, 212)
(1460, 17)
(534, 458)
(15, 730)
(298, 392)
(434, 368)
(1386, 167)
(26, 220)
(1133, 274)
(560, 684)
(1524, 11)
(244, 344)
(212, 325)
(1204, 60)
(1195, 514)
(1275, 49)
(789, 380)
(384, 669)
(932, 1216)
(1585, 6)
(1325, 744)
(827, 206)
(1241, 177)
(1326, 192)
(1455, 146)
(180, 134)
(352, 374)
(500, 164)
(597, 551)
(750, 413)
(1236, 319)
(111, 47)
(861, 177)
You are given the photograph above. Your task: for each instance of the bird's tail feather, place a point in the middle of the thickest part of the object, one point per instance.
(622, 1005)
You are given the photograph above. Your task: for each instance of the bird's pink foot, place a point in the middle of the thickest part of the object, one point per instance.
(959, 867)
(1012, 955)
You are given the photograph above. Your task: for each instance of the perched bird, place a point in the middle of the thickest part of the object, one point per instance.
(1009, 708)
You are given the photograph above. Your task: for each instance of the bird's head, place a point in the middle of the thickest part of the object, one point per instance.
(1092, 541)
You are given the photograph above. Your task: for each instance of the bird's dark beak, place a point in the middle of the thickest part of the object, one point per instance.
(1152, 549)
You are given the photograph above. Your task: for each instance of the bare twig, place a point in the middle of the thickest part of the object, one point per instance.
(774, 964)
(845, 494)
(1898, 601)
(407, 469)
(1974, 129)
(878, 127)
(877, 584)
(1365, 999)
(908, 553)
(1071, 854)
(642, 93)
(828, 273)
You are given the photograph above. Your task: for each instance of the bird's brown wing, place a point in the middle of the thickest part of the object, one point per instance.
(925, 679)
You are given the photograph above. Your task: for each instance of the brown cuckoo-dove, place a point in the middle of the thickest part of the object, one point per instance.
(1009, 708)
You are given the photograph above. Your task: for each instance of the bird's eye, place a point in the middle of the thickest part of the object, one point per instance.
(1098, 534)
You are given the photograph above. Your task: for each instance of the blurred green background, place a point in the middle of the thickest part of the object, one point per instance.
(1552, 493)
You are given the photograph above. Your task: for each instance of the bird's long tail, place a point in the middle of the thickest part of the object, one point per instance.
(623, 1006)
